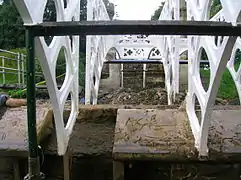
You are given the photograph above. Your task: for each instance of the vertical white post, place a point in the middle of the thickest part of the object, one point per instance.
(88, 78)
(144, 75)
(122, 75)
(87, 72)
(23, 70)
(3, 65)
(176, 72)
(19, 73)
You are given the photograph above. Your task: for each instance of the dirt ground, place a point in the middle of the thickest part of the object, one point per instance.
(128, 96)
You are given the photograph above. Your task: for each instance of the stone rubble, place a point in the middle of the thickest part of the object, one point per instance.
(153, 96)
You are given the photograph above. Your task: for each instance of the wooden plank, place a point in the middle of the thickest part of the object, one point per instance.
(13, 129)
(149, 134)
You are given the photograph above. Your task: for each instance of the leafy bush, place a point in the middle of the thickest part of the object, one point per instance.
(17, 93)
(82, 70)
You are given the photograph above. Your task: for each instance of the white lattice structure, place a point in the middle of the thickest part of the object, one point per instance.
(220, 51)
(32, 13)
(137, 47)
(96, 49)
(170, 49)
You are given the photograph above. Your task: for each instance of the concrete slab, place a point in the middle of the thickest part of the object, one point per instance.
(225, 135)
(151, 134)
(13, 129)
(93, 133)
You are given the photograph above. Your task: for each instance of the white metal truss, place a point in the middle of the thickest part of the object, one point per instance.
(96, 49)
(137, 47)
(170, 49)
(32, 13)
(219, 51)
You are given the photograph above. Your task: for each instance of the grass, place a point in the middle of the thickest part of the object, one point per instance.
(20, 50)
(9, 79)
(13, 78)
(227, 89)
(60, 71)
(11, 63)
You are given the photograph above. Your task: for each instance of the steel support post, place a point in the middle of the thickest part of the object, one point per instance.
(33, 159)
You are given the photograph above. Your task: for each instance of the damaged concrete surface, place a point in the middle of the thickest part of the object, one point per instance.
(13, 129)
(93, 133)
(92, 143)
(152, 134)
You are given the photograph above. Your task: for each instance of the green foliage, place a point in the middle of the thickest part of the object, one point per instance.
(215, 7)
(238, 56)
(12, 32)
(110, 7)
(204, 55)
(83, 16)
(157, 13)
(11, 56)
(50, 12)
(21, 93)
(60, 66)
(11, 27)
(227, 89)
(82, 70)
(10, 78)
(11, 63)
(17, 93)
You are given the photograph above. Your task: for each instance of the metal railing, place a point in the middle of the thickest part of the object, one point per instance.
(12, 63)
(13, 68)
